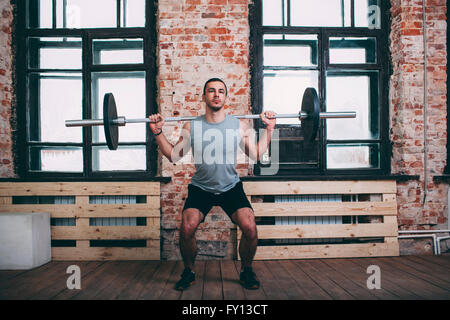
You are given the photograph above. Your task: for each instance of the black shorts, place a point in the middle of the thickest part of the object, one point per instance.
(230, 201)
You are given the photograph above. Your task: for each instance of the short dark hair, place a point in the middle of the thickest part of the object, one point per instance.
(213, 80)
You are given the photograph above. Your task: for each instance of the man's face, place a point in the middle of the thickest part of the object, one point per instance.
(215, 95)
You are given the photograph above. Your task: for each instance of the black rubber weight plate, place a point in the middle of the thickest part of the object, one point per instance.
(310, 105)
(109, 115)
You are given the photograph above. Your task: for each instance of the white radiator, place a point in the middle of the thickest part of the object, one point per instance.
(113, 221)
(97, 221)
(308, 220)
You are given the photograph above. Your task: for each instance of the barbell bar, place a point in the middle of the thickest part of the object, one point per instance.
(309, 115)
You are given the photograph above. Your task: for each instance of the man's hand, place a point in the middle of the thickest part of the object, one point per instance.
(157, 123)
(268, 118)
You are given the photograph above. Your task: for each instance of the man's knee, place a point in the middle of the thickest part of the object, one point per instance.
(245, 219)
(191, 218)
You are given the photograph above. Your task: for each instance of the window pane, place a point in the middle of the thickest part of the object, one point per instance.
(353, 92)
(353, 156)
(283, 91)
(273, 14)
(69, 159)
(128, 89)
(55, 53)
(353, 50)
(118, 51)
(45, 14)
(290, 50)
(60, 98)
(86, 14)
(323, 13)
(368, 14)
(134, 13)
(124, 158)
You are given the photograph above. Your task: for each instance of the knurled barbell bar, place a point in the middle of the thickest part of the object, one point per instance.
(309, 115)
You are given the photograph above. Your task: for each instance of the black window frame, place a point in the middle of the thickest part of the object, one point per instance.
(22, 101)
(383, 64)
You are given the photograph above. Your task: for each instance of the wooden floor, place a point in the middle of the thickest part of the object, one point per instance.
(405, 277)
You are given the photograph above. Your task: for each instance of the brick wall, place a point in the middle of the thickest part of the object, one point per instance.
(198, 40)
(6, 90)
(418, 129)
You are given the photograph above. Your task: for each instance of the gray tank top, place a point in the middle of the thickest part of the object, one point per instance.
(214, 147)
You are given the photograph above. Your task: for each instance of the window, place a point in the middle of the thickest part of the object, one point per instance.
(340, 48)
(76, 51)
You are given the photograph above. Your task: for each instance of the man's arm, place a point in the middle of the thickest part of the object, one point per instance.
(255, 150)
(171, 152)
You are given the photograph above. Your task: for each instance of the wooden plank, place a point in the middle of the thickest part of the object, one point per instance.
(105, 254)
(89, 281)
(304, 231)
(137, 284)
(269, 284)
(443, 260)
(58, 281)
(89, 211)
(154, 288)
(232, 290)
(5, 201)
(285, 280)
(104, 233)
(359, 275)
(212, 282)
(125, 272)
(358, 290)
(323, 280)
(268, 209)
(250, 294)
(26, 285)
(422, 288)
(429, 275)
(327, 251)
(169, 293)
(78, 188)
(389, 197)
(310, 290)
(195, 292)
(428, 264)
(85, 269)
(388, 282)
(319, 187)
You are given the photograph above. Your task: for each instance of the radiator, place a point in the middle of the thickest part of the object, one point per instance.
(113, 221)
(308, 220)
(97, 221)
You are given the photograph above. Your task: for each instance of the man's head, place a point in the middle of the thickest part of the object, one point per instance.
(214, 93)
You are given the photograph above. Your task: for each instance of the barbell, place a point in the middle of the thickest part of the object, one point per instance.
(309, 115)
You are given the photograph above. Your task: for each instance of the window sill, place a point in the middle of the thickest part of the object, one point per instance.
(77, 179)
(442, 178)
(398, 178)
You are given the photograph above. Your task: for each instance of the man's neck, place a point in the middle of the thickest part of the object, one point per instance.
(215, 116)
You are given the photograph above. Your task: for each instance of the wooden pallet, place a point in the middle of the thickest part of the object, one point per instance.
(83, 233)
(376, 237)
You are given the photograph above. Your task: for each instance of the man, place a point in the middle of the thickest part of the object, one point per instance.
(216, 181)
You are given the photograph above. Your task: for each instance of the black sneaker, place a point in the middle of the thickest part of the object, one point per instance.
(248, 279)
(187, 280)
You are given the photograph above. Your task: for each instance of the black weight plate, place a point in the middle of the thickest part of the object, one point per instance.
(310, 105)
(109, 115)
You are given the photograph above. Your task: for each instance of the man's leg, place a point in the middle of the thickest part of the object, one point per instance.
(245, 219)
(191, 218)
